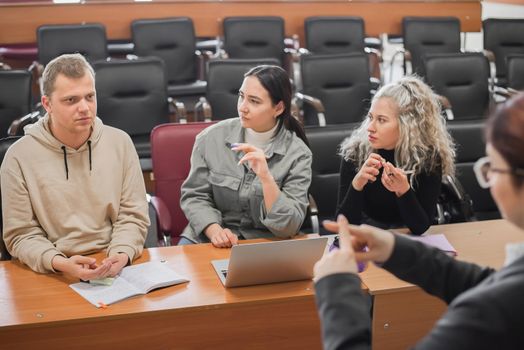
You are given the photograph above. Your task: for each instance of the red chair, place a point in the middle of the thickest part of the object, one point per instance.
(171, 147)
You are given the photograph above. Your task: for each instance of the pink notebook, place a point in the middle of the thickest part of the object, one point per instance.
(438, 241)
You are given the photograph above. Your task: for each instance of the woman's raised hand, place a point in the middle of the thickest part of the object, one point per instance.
(368, 172)
(255, 158)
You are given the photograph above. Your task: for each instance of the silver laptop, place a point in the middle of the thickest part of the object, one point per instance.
(279, 261)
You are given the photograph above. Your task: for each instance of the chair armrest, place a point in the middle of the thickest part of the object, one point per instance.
(4, 66)
(163, 218)
(177, 111)
(313, 214)
(202, 107)
(492, 68)
(375, 84)
(399, 52)
(202, 56)
(446, 107)
(17, 126)
(316, 104)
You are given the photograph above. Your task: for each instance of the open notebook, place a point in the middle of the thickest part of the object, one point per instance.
(133, 280)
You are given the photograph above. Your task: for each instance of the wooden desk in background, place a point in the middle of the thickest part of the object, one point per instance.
(402, 312)
(18, 22)
(42, 312)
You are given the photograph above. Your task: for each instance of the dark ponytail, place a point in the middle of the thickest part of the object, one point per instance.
(276, 81)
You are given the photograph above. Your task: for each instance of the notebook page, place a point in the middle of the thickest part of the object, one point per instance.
(151, 275)
(96, 294)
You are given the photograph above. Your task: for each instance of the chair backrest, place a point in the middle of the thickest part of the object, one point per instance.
(88, 39)
(428, 35)
(132, 96)
(224, 78)
(171, 147)
(334, 34)
(15, 97)
(324, 143)
(463, 79)
(468, 136)
(171, 39)
(254, 37)
(515, 71)
(5, 143)
(342, 84)
(503, 37)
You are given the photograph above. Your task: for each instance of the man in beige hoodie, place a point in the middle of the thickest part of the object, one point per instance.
(73, 186)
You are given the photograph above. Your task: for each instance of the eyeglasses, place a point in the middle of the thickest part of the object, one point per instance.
(482, 169)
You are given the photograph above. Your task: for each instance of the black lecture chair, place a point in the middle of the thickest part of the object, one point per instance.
(173, 40)
(428, 35)
(468, 136)
(224, 78)
(5, 143)
(255, 37)
(503, 37)
(341, 34)
(336, 88)
(15, 97)
(515, 71)
(132, 96)
(88, 39)
(324, 143)
(464, 80)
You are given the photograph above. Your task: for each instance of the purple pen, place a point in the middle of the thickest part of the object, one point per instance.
(361, 265)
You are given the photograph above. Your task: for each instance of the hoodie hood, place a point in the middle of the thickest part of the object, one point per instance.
(41, 132)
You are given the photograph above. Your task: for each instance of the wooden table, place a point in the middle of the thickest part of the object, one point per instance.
(41, 311)
(402, 312)
(19, 21)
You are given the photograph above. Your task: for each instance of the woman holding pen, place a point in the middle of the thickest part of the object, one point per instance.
(249, 175)
(392, 166)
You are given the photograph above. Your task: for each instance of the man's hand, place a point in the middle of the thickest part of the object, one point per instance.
(81, 267)
(118, 262)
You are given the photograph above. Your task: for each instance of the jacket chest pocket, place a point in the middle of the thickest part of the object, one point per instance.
(225, 190)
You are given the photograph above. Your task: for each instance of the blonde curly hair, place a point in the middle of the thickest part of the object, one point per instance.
(424, 143)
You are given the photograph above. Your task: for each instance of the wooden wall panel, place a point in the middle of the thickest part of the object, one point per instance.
(18, 23)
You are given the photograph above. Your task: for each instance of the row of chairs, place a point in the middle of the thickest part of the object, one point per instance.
(173, 40)
(133, 95)
(423, 36)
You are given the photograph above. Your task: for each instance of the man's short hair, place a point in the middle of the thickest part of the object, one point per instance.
(72, 66)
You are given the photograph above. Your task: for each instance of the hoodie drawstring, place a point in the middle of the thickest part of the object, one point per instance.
(65, 162)
(89, 146)
(65, 158)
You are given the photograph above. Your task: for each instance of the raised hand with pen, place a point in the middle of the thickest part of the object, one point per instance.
(394, 179)
(352, 239)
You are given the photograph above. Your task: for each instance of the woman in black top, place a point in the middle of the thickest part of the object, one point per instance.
(392, 166)
(485, 307)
